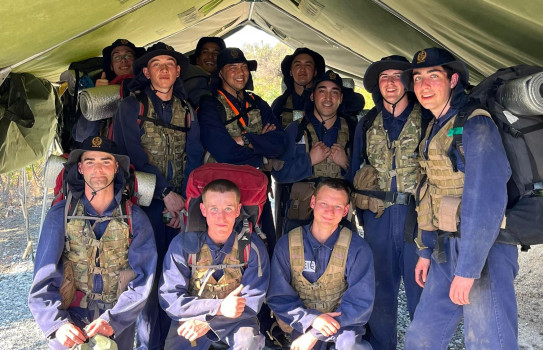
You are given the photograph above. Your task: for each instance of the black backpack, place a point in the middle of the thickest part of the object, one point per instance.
(522, 137)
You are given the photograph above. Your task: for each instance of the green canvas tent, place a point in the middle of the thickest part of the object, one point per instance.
(43, 37)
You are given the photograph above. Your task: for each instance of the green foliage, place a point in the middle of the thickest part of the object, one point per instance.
(267, 79)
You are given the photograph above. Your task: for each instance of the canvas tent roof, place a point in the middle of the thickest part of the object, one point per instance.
(43, 37)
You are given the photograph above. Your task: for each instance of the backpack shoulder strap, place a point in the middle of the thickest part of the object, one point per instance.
(302, 128)
(126, 212)
(369, 118)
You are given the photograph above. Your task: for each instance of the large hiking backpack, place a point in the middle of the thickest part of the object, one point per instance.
(514, 98)
(252, 184)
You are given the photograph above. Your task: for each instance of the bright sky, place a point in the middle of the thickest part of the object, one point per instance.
(249, 34)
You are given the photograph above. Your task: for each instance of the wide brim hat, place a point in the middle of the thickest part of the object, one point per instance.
(232, 55)
(201, 42)
(431, 57)
(106, 54)
(287, 63)
(160, 49)
(371, 77)
(100, 144)
(329, 75)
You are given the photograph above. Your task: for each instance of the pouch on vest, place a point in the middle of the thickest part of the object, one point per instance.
(449, 213)
(366, 179)
(125, 276)
(424, 210)
(300, 201)
(98, 342)
(67, 288)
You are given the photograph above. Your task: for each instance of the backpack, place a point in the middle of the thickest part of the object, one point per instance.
(521, 131)
(252, 184)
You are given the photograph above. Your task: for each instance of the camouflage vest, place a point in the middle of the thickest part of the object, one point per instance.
(165, 147)
(89, 256)
(443, 183)
(286, 112)
(403, 152)
(236, 127)
(326, 293)
(203, 269)
(328, 168)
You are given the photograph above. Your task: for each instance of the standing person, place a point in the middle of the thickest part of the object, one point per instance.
(208, 292)
(94, 269)
(299, 72)
(117, 66)
(387, 140)
(318, 148)
(323, 279)
(460, 211)
(238, 127)
(156, 128)
(203, 63)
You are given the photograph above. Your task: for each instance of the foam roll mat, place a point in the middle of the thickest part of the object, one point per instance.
(146, 187)
(523, 96)
(99, 102)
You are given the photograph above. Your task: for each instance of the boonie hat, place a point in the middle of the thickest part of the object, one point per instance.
(434, 56)
(201, 42)
(232, 55)
(106, 53)
(371, 77)
(160, 49)
(287, 63)
(100, 144)
(330, 75)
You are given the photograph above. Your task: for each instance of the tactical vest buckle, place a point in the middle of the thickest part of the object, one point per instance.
(402, 198)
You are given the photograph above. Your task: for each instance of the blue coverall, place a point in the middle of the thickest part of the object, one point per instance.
(44, 299)
(356, 303)
(154, 322)
(297, 166)
(394, 258)
(490, 320)
(238, 333)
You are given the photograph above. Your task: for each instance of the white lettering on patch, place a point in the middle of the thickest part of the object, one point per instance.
(309, 266)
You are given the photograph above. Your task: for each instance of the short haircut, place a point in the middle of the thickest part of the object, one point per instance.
(450, 71)
(221, 186)
(336, 184)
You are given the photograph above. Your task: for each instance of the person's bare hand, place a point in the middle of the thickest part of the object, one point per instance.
(319, 152)
(193, 329)
(102, 81)
(460, 288)
(421, 271)
(174, 203)
(238, 140)
(233, 305)
(69, 334)
(304, 342)
(338, 156)
(267, 128)
(99, 326)
(327, 324)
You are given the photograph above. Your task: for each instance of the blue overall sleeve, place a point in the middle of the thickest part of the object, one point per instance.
(359, 143)
(180, 305)
(297, 162)
(127, 135)
(44, 298)
(195, 152)
(142, 258)
(484, 198)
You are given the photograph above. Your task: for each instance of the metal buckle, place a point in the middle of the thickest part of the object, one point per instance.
(401, 198)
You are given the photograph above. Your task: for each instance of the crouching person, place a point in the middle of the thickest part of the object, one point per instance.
(323, 278)
(96, 257)
(211, 286)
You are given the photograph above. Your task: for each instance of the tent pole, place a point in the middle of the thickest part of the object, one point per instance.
(45, 190)
(24, 208)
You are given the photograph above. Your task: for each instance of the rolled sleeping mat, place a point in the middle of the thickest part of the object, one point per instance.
(146, 188)
(53, 167)
(69, 77)
(146, 181)
(99, 102)
(523, 96)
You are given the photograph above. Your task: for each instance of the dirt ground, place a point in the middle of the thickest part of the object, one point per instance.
(16, 276)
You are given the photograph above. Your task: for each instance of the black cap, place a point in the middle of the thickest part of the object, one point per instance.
(330, 75)
(160, 49)
(100, 144)
(287, 63)
(232, 55)
(106, 54)
(434, 56)
(201, 42)
(371, 77)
